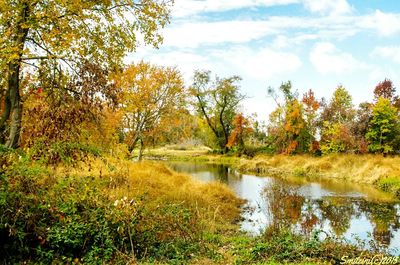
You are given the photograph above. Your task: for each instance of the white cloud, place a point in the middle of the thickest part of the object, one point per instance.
(286, 30)
(195, 34)
(208, 33)
(185, 61)
(283, 41)
(326, 58)
(333, 7)
(388, 52)
(386, 24)
(259, 64)
(184, 8)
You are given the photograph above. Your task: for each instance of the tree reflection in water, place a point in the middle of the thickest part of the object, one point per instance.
(287, 208)
(340, 210)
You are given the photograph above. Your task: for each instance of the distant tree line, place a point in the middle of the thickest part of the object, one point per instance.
(306, 124)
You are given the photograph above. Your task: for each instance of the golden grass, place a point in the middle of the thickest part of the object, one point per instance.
(216, 203)
(382, 172)
(362, 169)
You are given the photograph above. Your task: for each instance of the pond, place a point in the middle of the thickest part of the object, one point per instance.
(345, 210)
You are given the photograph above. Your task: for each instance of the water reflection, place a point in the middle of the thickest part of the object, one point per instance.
(344, 210)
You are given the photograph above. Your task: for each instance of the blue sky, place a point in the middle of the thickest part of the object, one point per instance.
(317, 44)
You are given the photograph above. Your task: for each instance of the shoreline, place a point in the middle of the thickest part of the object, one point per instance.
(374, 170)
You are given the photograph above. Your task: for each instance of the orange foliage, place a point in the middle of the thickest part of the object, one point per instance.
(241, 129)
(292, 147)
(309, 101)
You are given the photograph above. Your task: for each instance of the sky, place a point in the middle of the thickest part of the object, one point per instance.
(316, 44)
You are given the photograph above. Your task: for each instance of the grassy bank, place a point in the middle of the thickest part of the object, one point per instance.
(375, 170)
(382, 172)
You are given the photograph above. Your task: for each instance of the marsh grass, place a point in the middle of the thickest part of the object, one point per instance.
(383, 172)
(107, 210)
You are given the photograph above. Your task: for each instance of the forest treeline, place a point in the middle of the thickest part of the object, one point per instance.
(146, 105)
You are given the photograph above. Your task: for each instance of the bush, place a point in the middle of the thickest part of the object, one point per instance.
(62, 152)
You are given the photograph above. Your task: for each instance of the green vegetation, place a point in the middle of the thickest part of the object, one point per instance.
(107, 210)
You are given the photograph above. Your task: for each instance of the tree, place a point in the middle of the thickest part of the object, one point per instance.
(311, 106)
(387, 90)
(384, 127)
(241, 130)
(340, 108)
(336, 138)
(288, 127)
(217, 102)
(67, 33)
(151, 93)
(359, 126)
(335, 121)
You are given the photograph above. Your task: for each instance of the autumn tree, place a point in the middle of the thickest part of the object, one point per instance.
(241, 130)
(151, 93)
(258, 134)
(311, 106)
(335, 121)
(217, 102)
(340, 108)
(179, 128)
(384, 127)
(288, 127)
(65, 33)
(59, 117)
(359, 126)
(387, 90)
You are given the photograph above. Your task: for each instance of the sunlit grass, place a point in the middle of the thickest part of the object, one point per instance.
(214, 201)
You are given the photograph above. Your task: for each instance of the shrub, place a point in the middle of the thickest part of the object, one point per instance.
(65, 152)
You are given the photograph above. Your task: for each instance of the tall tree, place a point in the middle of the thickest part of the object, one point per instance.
(288, 128)
(310, 108)
(218, 103)
(151, 93)
(335, 121)
(67, 32)
(340, 108)
(384, 127)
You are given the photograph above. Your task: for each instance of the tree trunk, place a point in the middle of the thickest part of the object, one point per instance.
(140, 156)
(16, 105)
(19, 39)
(4, 117)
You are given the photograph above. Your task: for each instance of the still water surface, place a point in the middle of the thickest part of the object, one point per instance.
(341, 209)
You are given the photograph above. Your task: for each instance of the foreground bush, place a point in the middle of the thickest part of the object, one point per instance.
(107, 211)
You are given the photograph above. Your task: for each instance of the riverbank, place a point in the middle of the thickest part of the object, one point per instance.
(110, 210)
(376, 170)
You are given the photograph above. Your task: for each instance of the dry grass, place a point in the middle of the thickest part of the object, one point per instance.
(216, 204)
(366, 169)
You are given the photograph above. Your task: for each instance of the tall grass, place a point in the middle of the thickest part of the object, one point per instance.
(383, 172)
(108, 210)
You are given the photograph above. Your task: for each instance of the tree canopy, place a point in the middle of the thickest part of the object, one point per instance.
(65, 34)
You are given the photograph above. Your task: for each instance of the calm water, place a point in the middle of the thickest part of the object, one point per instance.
(341, 209)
